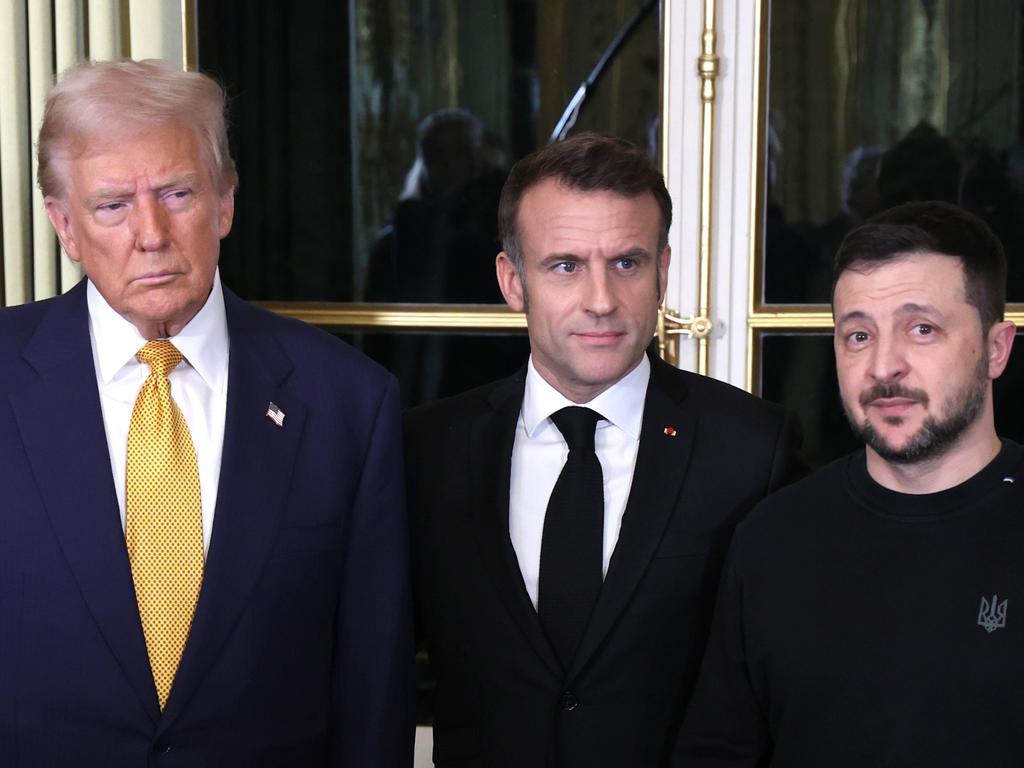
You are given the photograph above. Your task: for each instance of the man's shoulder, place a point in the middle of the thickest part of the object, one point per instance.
(467, 405)
(798, 506)
(717, 399)
(18, 324)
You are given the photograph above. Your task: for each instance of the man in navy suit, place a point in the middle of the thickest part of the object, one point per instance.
(299, 644)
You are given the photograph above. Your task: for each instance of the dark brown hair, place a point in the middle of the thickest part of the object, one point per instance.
(932, 227)
(587, 162)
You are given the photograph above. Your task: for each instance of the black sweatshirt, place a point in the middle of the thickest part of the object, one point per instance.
(857, 626)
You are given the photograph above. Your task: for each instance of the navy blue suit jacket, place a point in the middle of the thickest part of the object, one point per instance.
(300, 653)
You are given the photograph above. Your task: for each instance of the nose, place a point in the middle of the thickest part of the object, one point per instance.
(600, 298)
(888, 361)
(149, 224)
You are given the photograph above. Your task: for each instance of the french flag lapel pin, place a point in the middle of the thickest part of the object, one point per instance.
(275, 414)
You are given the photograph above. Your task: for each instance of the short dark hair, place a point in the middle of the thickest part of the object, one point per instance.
(932, 227)
(587, 162)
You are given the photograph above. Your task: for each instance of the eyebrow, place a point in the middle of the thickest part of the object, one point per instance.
(854, 315)
(911, 308)
(114, 191)
(637, 254)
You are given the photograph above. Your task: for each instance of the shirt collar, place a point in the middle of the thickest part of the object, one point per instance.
(622, 403)
(203, 341)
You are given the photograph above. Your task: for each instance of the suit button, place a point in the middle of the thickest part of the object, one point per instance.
(569, 701)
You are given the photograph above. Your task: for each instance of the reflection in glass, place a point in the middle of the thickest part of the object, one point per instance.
(433, 365)
(798, 371)
(873, 103)
(373, 136)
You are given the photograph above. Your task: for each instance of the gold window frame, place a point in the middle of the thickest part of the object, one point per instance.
(765, 318)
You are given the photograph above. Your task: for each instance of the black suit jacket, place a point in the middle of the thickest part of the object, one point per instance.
(502, 698)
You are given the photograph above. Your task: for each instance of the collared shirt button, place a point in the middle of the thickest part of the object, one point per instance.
(569, 701)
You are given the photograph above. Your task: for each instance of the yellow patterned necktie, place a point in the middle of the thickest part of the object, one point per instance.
(163, 516)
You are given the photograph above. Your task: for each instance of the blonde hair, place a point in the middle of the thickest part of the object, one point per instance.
(114, 99)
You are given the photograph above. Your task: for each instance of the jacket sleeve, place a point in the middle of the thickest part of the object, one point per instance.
(725, 724)
(373, 690)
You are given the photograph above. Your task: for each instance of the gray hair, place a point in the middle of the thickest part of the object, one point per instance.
(113, 98)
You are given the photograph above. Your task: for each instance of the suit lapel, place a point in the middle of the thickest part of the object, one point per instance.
(661, 465)
(490, 448)
(256, 470)
(61, 426)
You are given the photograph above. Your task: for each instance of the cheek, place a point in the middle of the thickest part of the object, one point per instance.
(106, 250)
(846, 375)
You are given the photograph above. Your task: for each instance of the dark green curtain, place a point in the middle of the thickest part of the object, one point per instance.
(289, 92)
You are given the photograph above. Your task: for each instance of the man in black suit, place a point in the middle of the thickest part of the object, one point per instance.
(566, 607)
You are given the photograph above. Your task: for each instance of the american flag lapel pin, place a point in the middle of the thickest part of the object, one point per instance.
(275, 414)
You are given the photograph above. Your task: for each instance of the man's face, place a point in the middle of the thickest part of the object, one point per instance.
(592, 269)
(145, 218)
(914, 366)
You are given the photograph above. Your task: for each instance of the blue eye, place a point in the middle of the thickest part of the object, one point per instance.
(565, 267)
(627, 263)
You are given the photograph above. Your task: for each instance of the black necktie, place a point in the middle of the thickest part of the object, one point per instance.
(572, 547)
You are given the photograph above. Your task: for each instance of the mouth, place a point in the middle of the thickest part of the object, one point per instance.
(599, 338)
(156, 278)
(889, 406)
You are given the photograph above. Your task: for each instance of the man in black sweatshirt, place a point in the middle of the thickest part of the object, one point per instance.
(873, 614)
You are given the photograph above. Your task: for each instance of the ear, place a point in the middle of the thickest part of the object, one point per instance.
(664, 259)
(998, 346)
(225, 212)
(57, 213)
(509, 282)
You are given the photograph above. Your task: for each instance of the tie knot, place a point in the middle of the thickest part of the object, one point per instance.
(160, 355)
(577, 426)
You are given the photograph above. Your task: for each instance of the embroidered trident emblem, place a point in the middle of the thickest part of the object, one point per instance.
(992, 615)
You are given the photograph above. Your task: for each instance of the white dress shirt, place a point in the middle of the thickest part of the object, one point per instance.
(199, 386)
(540, 451)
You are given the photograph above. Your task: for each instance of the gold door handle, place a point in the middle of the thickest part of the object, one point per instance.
(672, 326)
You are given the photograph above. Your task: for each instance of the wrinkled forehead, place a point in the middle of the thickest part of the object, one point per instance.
(88, 139)
(907, 279)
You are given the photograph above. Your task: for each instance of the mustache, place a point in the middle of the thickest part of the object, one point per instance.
(886, 391)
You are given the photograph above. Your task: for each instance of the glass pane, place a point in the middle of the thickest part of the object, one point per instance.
(433, 365)
(873, 103)
(798, 370)
(373, 137)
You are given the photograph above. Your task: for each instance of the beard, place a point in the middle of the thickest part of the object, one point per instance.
(938, 433)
